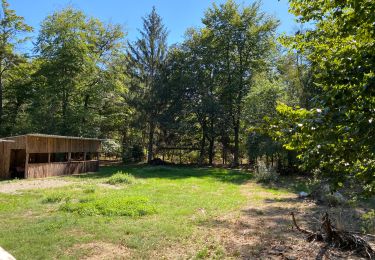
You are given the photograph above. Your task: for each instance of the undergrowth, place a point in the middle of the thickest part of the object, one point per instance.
(121, 178)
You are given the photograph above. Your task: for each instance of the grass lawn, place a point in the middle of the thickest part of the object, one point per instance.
(160, 209)
(157, 213)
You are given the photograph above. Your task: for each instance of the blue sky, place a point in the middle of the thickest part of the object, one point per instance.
(178, 15)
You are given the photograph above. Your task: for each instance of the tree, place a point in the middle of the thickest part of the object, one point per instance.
(18, 96)
(11, 29)
(75, 52)
(146, 58)
(242, 38)
(336, 136)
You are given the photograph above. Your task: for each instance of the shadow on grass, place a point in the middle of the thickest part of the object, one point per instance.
(172, 172)
(263, 233)
(293, 183)
(267, 232)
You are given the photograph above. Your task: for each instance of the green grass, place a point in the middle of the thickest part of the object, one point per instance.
(110, 206)
(160, 209)
(121, 178)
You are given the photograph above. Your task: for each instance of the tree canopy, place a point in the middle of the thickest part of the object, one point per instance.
(230, 93)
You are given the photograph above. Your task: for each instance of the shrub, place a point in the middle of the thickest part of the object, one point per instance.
(133, 154)
(121, 178)
(368, 222)
(265, 174)
(111, 147)
(111, 206)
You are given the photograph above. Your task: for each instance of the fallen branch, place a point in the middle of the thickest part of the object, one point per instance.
(343, 240)
(311, 236)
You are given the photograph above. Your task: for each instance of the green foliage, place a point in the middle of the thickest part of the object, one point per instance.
(111, 206)
(73, 49)
(336, 136)
(121, 178)
(259, 145)
(133, 154)
(137, 153)
(368, 222)
(111, 147)
(12, 27)
(145, 61)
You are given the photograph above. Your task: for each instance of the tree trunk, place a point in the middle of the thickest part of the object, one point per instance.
(236, 143)
(203, 145)
(124, 144)
(150, 141)
(211, 152)
(65, 112)
(85, 108)
(224, 155)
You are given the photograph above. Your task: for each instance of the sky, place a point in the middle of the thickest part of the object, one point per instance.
(178, 15)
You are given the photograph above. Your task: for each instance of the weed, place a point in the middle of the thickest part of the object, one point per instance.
(211, 251)
(121, 178)
(90, 189)
(55, 198)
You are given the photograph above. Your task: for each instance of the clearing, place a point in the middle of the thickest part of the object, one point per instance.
(162, 213)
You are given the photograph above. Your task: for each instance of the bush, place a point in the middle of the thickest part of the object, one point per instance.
(111, 147)
(133, 154)
(368, 222)
(121, 178)
(265, 174)
(111, 206)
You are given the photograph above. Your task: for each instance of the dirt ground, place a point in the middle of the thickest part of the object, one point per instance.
(100, 250)
(264, 230)
(19, 185)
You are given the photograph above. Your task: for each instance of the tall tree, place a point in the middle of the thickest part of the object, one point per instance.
(12, 27)
(243, 38)
(146, 59)
(75, 52)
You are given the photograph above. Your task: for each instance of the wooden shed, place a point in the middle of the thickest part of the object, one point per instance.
(38, 156)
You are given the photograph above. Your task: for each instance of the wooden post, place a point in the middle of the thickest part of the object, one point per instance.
(27, 166)
(49, 158)
(84, 162)
(69, 156)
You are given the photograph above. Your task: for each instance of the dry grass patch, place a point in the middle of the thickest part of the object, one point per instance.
(264, 229)
(13, 187)
(99, 250)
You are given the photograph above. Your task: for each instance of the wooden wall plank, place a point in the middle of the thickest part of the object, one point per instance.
(5, 159)
(41, 170)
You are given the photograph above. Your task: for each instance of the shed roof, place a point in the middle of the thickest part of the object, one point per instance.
(6, 141)
(52, 136)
